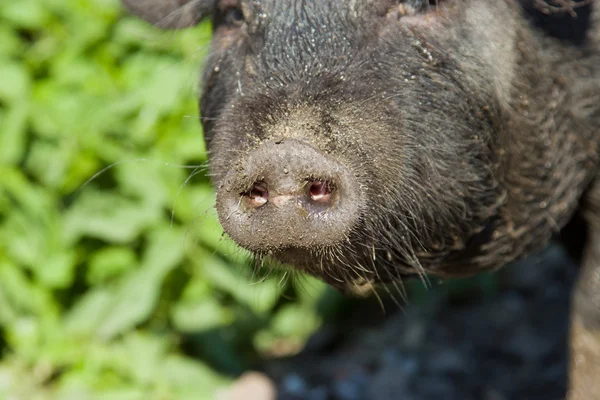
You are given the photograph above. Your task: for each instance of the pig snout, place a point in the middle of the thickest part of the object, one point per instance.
(287, 194)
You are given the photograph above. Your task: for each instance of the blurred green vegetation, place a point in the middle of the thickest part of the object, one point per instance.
(118, 285)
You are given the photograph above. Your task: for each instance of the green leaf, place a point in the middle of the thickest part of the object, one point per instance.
(110, 262)
(9, 41)
(189, 376)
(165, 250)
(295, 320)
(126, 393)
(22, 295)
(143, 354)
(57, 270)
(13, 131)
(137, 295)
(293, 324)
(87, 315)
(142, 179)
(310, 290)
(132, 303)
(198, 316)
(108, 216)
(260, 297)
(25, 336)
(34, 201)
(24, 14)
(16, 84)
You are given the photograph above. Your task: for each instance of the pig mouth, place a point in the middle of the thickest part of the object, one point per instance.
(352, 276)
(320, 264)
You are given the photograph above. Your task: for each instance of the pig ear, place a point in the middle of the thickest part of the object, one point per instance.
(171, 14)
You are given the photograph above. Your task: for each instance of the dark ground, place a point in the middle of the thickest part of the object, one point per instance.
(508, 344)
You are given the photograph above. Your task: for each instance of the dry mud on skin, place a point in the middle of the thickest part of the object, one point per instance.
(510, 345)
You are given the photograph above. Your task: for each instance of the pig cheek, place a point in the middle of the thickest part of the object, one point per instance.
(228, 37)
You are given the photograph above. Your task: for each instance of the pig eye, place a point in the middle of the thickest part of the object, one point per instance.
(234, 16)
(412, 7)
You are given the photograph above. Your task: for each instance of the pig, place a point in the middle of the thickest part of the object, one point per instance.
(366, 142)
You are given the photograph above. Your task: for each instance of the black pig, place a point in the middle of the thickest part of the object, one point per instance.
(365, 141)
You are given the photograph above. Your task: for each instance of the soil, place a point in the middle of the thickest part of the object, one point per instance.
(510, 344)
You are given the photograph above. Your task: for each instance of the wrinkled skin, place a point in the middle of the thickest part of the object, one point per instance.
(447, 139)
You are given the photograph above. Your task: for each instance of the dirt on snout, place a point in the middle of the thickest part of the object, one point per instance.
(511, 344)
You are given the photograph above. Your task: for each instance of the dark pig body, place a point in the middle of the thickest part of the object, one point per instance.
(365, 141)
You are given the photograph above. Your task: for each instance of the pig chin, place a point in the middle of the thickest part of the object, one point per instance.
(329, 265)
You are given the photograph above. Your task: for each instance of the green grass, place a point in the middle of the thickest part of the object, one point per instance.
(118, 285)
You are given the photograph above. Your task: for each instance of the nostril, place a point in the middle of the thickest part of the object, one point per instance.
(257, 195)
(320, 191)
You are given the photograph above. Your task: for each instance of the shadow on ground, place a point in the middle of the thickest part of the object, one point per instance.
(510, 343)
